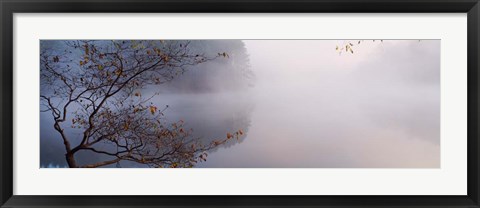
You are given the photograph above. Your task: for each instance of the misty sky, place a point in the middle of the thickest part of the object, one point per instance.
(378, 107)
(312, 107)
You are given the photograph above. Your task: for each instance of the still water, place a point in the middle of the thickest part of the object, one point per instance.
(312, 107)
(324, 110)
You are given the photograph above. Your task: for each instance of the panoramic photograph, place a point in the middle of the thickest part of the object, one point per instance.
(228, 103)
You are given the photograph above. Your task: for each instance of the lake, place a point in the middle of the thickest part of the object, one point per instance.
(311, 107)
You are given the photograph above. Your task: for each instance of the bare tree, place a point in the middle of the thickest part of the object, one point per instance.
(97, 86)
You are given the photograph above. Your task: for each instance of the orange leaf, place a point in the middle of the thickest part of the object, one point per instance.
(153, 109)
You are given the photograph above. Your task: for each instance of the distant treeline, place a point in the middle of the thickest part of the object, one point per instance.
(230, 73)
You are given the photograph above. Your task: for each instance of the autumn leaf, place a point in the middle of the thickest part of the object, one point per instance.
(153, 109)
(86, 49)
(166, 58)
(224, 54)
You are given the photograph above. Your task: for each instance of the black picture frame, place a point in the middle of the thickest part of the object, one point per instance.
(9, 7)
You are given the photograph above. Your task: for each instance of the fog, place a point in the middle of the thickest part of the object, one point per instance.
(309, 106)
(314, 107)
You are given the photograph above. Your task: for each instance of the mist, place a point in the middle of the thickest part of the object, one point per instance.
(376, 108)
(303, 104)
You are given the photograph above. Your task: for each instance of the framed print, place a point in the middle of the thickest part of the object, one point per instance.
(247, 104)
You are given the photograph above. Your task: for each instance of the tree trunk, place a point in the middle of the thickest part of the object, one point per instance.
(71, 160)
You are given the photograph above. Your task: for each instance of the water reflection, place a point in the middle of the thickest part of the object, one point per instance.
(309, 107)
(377, 108)
(211, 115)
